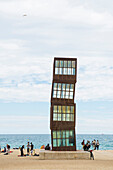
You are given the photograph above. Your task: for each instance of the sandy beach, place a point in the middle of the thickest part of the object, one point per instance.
(103, 160)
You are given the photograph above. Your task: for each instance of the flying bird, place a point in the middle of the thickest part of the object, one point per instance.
(24, 15)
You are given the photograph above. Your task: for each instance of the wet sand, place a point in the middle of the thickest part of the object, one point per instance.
(103, 161)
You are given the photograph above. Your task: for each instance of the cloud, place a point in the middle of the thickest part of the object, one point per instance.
(24, 80)
(64, 10)
(55, 28)
(95, 79)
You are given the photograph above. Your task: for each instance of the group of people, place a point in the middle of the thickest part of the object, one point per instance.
(90, 145)
(6, 149)
(47, 147)
(29, 148)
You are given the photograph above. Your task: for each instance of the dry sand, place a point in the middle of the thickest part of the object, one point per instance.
(103, 161)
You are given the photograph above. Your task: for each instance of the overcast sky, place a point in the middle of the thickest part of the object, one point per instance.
(32, 33)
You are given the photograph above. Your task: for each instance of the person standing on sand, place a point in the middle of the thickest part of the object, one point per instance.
(28, 148)
(22, 153)
(83, 143)
(32, 146)
(97, 145)
(94, 144)
(8, 149)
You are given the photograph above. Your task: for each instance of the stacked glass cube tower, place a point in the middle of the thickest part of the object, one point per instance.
(63, 108)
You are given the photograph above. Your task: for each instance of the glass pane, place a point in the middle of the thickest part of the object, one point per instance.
(69, 63)
(64, 117)
(67, 87)
(59, 109)
(67, 117)
(54, 143)
(71, 133)
(54, 94)
(63, 86)
(59, 86)
(65, 63)
(54, 134)
(71, 139)
(59, 117)
(58, 134)
(68, 109)
(55, 117)
(56, 70)
(71, 87)
(63, 134)
(71, 95)
(67, 142)
(72, 109)
(60, 70)
(63, 94)
(55, 109)
(58, 94)
(73, 64)
(67, 95)
(73, 71)
(57, 63)
(71, 117)
(67, 133)
(59, 142)
(69, 71)
(61, 63)
(65, 71)
(64, 109)
(64, 142)
(55, 86)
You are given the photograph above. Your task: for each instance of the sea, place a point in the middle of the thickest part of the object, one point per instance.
(17, 140)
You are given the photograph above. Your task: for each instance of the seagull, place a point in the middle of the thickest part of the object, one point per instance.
(24, 15)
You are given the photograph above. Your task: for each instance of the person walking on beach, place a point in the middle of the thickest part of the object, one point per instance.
(28, 148)
(32, 146)
(97, 145)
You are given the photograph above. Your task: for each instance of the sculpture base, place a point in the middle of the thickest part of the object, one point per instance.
(58, 155)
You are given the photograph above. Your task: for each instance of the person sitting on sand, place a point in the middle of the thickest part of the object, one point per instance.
(47, 147)
(7, 149)
(4, 150)
(42, 147)
(21, 149)
(86, 147)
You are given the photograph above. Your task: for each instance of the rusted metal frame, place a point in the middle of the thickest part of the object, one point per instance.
(65, 79)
